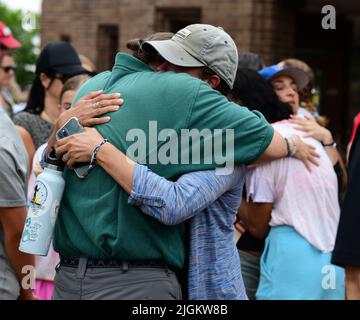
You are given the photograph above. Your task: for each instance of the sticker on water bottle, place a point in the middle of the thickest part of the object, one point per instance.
(41, 200)
(31, 231)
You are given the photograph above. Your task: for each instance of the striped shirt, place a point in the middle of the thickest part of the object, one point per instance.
(210, 201)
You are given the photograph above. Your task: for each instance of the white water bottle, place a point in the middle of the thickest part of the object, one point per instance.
(43, 209)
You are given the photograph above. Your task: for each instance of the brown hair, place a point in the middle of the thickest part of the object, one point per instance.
(148, 57)
(306, 95)
(74, 83)
(206, 73)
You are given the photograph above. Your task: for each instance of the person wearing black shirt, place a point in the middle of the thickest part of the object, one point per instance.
(347, 246)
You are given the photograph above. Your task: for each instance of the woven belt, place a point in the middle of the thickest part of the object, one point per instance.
(113, 263)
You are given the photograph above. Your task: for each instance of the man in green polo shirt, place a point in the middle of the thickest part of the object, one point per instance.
(108, 248)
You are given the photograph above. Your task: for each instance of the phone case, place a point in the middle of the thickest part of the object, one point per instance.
(73, 126)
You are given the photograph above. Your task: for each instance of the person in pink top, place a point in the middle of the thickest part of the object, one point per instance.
(298, 212)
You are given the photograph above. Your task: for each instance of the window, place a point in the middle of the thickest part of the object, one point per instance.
(107, 46)
(174, 19)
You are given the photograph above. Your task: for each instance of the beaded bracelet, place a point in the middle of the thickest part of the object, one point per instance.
(94, 153)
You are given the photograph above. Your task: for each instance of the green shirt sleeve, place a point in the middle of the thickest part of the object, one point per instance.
(252, 133)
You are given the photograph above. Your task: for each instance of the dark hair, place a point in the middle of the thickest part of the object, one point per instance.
(254, 92)
(206, 73)
(36, 101)
(55, 59)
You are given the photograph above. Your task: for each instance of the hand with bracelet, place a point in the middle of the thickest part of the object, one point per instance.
(81, 147)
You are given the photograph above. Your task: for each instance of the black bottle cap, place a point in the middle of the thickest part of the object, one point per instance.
(53, 160)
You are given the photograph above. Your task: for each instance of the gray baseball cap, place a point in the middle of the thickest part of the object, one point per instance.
(200, 45)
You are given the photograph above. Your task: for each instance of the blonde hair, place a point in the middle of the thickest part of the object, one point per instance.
(87, 63)
(74, 83)
(306, 95)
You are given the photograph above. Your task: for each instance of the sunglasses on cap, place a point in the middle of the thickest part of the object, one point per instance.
(8, 69)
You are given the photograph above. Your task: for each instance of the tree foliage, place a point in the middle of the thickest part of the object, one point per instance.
(26, 55)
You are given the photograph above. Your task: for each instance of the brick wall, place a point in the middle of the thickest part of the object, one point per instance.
(272, 30)
(261, 26)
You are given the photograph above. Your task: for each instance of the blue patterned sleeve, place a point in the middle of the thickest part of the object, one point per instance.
(174, 202)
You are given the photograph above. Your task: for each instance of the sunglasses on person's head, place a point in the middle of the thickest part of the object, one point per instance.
(8, 69)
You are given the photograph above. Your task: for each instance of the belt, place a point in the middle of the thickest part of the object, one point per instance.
(73, 262)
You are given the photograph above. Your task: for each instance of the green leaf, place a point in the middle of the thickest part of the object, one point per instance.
(24, 56)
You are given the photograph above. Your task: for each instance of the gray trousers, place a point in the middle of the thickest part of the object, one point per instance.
(121, 283)
(9, 285)
(250, 270)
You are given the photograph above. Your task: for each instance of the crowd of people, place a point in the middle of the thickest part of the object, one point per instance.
(272, 228)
